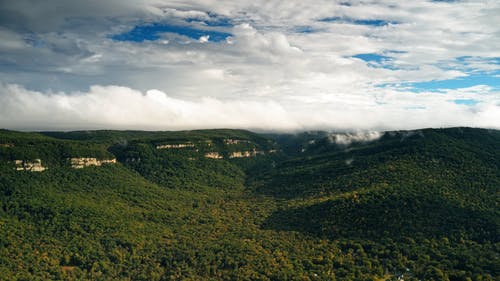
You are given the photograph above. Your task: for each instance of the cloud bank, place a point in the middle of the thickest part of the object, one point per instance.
(124, 108)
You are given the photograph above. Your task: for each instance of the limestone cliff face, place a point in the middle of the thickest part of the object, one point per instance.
(6, 145)
(32, 166)
(78, 163)
(213, 155)
(242, 154)
(175, 145)
(235, 141)
(238, 154)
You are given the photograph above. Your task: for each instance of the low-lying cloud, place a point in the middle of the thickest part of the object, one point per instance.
(118, 107)
(349, 138)
(122, 108)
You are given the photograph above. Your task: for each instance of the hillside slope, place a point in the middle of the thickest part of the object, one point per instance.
(398, 191)
(234, 205)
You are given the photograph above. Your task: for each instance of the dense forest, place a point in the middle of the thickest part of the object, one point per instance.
(236, 205)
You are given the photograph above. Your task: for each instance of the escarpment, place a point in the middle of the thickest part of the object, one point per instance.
(82, 162)
(30, 165)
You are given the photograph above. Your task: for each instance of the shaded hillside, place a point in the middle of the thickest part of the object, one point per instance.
(451, 156)
(437, 183)
(398, 191)
(394, 213)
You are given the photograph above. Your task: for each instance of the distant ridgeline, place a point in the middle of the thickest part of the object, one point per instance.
(27, 151)
(165, 158)
(235, 205)
(171, 159)
(36, 152)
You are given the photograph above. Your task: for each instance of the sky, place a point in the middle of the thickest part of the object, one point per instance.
(260, 65)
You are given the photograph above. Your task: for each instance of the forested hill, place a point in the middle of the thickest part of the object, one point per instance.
(236, 205)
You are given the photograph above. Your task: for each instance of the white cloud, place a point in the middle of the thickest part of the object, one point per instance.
(204, 39)
(125, 108)
(300, 79)
(349, 138)
(268, 45)
(121, 107)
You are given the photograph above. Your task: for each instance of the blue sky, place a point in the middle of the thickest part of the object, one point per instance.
(343, 65)
(470, 78)
(153, 32)
(369, 22)
(481, 78)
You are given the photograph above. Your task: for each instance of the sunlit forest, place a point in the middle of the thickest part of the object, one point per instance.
(236, 205)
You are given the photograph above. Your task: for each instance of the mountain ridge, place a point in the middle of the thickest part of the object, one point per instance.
(418, 205)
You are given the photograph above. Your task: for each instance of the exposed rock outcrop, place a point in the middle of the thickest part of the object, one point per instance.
(242, 154)
(32, 166)
(174, 145)
(213, 155)
(235, 141)
(78, 163)
(6, 145)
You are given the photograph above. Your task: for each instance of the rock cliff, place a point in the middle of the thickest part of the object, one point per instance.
(78, 163)
(213, 155)
(32, 166)
(174, 145)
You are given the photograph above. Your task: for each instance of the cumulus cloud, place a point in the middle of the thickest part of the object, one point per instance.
(204, 39)
(124, 108)
(121, 107)
(286, 64)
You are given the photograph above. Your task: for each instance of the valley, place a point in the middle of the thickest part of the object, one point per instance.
(236, 205)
